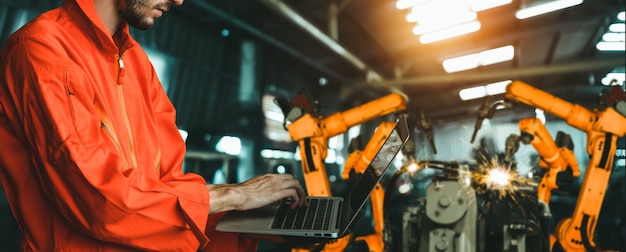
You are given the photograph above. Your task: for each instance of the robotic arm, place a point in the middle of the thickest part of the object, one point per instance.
(559, 161)
(602, 127)
(486, 111)
(425, 125)
(312, 133)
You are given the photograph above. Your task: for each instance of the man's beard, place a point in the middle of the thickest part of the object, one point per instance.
(131, 11)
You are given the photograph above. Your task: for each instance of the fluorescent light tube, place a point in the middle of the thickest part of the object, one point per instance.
(497, 55)
(497, 87)
(544, 8)
(614, 36)
(613, 79)
(429, 27)
(617, 27)
(405, 4)
(610, 46)
(481, 5)
(472, 93)
(461, 63)
(450, 32)
(483, 58)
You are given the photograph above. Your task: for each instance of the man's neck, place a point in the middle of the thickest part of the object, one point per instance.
(109, 15)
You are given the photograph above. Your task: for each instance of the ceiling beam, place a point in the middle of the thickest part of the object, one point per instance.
(297, 19)
(517, 73)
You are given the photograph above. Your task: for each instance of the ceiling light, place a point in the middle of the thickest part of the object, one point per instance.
(497, 88)
(612, 79)
(614, 37)
(615, 77)
(450, 32)
(545, 7)
(461, 63)
(610, 46)
(617, 27)
(480, 5)
(472, 93)
(450, 16)
(436, 11)
(483, 58)
(485, 90)
(497, 55)
(405, 4)
(458, 19)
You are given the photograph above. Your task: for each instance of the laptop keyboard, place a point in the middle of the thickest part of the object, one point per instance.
(316, 216)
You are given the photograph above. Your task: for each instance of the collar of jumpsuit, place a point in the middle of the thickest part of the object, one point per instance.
(91, 158)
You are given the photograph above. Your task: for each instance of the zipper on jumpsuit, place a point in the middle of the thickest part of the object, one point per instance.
(106, 124)
(120, 91)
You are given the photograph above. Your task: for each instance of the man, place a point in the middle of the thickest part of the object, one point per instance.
(90, 155)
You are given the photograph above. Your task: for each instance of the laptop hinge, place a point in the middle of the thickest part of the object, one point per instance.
(340, 217)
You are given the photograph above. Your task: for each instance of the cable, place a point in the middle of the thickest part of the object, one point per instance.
(542, 238)
(584, 235)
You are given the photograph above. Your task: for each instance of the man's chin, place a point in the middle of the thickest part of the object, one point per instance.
(142, 25)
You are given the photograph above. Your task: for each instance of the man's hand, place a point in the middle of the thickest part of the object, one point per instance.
(256, 192)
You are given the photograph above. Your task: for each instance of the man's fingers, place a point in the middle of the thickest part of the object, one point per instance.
(300, 192)
(270, 188)
(297, 193)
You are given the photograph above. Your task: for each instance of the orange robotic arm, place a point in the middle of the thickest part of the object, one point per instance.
(602, 128)
(554, 159)
(312, 134)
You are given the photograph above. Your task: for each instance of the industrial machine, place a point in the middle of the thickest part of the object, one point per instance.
(557, 158)
(446, 219)
(465, 208)
(603, 127)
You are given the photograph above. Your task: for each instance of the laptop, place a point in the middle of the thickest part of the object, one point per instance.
(324, 217)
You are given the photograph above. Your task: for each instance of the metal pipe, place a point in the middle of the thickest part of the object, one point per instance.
(283, 9)
(495, 75)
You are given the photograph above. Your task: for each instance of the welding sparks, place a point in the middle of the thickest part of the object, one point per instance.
(414, 167)
(498, 178)
(504, 188)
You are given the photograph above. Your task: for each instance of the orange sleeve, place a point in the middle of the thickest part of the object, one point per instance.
(224, 241)
(80, 171)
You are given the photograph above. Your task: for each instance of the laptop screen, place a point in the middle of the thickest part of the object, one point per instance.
(373, 173)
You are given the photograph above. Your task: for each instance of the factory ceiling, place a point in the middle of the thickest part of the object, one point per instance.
(369, 44)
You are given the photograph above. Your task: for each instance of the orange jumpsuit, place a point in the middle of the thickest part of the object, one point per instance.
(90, 155)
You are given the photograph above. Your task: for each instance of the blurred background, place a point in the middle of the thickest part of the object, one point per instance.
(223, 63)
